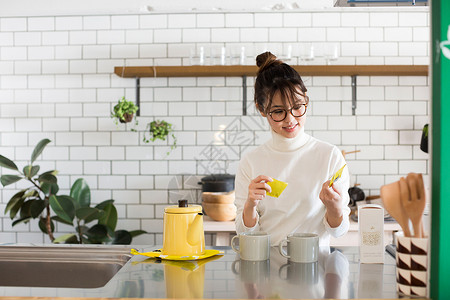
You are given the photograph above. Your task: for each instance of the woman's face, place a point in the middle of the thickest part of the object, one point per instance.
(290, 126)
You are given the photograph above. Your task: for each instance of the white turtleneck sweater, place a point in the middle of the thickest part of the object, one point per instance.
(305, 163)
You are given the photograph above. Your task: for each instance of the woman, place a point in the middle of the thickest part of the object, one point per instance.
(308, 204)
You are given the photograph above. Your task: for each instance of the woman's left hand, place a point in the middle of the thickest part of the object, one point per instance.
(331, 198)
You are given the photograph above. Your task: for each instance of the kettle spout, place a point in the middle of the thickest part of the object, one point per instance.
(195, 234)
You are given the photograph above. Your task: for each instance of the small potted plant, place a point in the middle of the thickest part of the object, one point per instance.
(159, 130)
(424, 139)
(124, 111)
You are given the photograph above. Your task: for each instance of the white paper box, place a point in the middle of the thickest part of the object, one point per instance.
(370, 281)
(371, 233)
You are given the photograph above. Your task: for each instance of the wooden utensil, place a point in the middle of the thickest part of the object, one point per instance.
(412, 193)
(344, 153)
(390, 195)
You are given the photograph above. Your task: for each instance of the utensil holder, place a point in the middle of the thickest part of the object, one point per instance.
(412, 265)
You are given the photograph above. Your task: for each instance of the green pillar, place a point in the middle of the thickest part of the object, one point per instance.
(440, 205)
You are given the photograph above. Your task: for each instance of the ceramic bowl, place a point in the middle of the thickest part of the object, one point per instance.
(218, 197)
(220, 211)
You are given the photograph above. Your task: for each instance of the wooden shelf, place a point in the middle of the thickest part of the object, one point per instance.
(244, 71)
(238, 71)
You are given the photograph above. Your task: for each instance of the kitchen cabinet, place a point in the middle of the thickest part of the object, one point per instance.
(225, 230)
(352, 236)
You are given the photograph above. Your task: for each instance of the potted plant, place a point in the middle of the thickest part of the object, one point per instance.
(124, 111)
(159, 130)
(424, 139)
(40, 200)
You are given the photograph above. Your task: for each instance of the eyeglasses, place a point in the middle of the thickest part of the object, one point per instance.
(296, 111)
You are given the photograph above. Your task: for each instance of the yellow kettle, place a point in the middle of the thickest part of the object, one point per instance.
(184, 279)
(183, 230)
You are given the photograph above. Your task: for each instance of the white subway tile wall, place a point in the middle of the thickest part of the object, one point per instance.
(57, 82)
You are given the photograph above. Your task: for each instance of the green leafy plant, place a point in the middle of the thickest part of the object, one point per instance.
(424, 139)
(124, 111)
(41, 201)
(425, 130)
(159, 130)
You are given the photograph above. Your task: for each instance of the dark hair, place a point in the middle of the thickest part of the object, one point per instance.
(276, 76)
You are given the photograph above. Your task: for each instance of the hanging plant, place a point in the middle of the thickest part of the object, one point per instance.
(159, 130)
(124, 111)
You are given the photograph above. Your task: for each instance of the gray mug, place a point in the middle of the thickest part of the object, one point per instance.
(252, 271)
(253, 245)
(300, 272)
(301, 247)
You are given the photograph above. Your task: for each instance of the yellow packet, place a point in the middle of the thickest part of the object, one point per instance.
(337, 175)
(277, 188)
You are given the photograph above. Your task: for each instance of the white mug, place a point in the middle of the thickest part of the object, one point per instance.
(301, 247)
(253, 245)
(300, 272)
(251, 271)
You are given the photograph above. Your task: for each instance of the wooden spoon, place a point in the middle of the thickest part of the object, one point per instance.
(414, 203)
(390, 195)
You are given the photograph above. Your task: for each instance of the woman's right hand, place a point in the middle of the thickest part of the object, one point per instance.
(256, 192)
(257, 189)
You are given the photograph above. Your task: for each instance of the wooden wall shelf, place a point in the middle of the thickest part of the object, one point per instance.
(239, 71)
(244, 71)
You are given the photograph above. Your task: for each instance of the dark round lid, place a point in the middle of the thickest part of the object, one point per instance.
(182, 203)
(183, 208)
(218, 177)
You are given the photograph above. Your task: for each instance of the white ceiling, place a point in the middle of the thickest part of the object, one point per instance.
(344, 3)
(89, 7)
(92, 7)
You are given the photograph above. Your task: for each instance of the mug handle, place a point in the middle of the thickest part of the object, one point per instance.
(283, 267)
(280, 247)
(233, 246)
(233, 267)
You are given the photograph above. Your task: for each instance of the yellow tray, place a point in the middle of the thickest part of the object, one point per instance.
(158, 254)
(188, 265)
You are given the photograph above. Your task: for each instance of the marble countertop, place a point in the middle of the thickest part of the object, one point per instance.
(337, 274)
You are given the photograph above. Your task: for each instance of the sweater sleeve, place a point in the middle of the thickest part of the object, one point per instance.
(242, 181)
(342, 184)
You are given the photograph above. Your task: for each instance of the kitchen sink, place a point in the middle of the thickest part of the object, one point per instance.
(60, 266)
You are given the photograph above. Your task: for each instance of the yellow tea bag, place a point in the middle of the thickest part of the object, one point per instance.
(337, 175)
(277, 188)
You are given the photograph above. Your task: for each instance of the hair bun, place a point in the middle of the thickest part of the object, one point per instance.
(265, 60)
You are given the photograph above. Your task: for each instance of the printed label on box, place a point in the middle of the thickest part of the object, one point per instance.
(371, 233)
